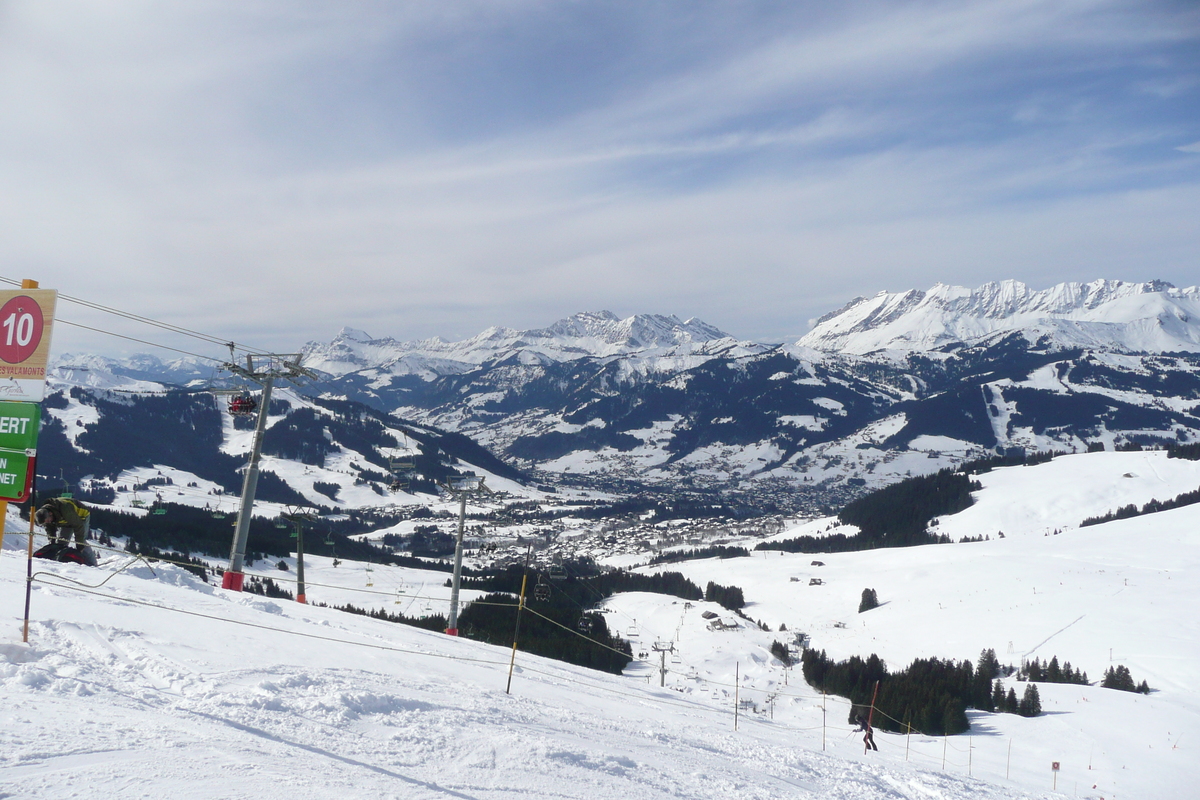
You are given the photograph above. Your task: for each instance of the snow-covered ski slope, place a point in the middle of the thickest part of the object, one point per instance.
(1123, 592)
(156, 685)
(126, 692)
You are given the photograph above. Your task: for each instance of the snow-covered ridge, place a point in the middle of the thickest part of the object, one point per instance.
(590, 334)
(1139, 317)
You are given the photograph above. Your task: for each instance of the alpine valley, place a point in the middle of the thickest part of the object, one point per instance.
(888, 386)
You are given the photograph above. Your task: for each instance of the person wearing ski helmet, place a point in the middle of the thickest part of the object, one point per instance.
(61, 517)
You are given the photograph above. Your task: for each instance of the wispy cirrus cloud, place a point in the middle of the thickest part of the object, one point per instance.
(273, 171)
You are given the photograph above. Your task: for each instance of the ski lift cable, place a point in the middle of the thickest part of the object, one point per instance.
(144, 320)
(139, 341)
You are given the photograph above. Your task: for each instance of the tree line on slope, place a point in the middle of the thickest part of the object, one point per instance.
(932, 695)
(894, 516)
(1131, 510)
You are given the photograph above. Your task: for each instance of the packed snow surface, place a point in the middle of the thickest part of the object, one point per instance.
(157, 685)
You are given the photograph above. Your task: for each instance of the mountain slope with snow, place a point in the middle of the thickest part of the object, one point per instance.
(1131, 317)
(1123, 592)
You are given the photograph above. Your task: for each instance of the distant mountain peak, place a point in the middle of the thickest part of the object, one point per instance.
(354, 335)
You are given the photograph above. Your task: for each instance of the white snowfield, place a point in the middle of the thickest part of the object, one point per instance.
(155, 684)
(1124, 592)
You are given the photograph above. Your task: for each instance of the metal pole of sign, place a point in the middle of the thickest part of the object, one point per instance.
(29, 563)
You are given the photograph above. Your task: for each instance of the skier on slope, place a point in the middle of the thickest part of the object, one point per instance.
(869, 737)
(57, 514)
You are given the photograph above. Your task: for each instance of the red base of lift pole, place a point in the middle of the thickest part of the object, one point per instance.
(232, 581)
(301, 599)
(452, 631)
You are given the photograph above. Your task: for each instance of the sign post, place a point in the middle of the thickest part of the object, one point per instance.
(26, 322)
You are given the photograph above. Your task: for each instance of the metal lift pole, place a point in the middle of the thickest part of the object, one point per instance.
(233, 576)
(274, 366)
(300, 598)
(460, 488)
(452, 624)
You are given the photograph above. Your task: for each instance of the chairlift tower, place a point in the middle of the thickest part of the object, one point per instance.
(263, 369)
(460, 488)
(299, 519)
(662, 648)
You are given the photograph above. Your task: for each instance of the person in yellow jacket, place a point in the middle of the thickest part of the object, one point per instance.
(62, 517)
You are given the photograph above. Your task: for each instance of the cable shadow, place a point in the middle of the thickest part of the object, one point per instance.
(334, 756)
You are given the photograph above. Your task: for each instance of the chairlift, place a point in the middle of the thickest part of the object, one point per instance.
(557, 573)
(280, 523)
(370, 581)
(584, 625)
(541, 592)
(158, 512)
(242, 405)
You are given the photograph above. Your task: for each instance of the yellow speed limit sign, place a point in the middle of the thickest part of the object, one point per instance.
(26, 321)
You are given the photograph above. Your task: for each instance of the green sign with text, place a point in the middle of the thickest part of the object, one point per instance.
(19, 425)
(14, 475)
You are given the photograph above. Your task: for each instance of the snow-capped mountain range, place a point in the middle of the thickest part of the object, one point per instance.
(598, 335)
(894, 385)
(1115, 315)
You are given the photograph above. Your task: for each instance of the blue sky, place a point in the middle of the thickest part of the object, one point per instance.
(272, 171)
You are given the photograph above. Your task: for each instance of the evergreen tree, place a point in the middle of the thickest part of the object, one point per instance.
(869, 600)
(998, 703)
(1011, 705)
(988, 665)
(1031, 703)
(1118, 677)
